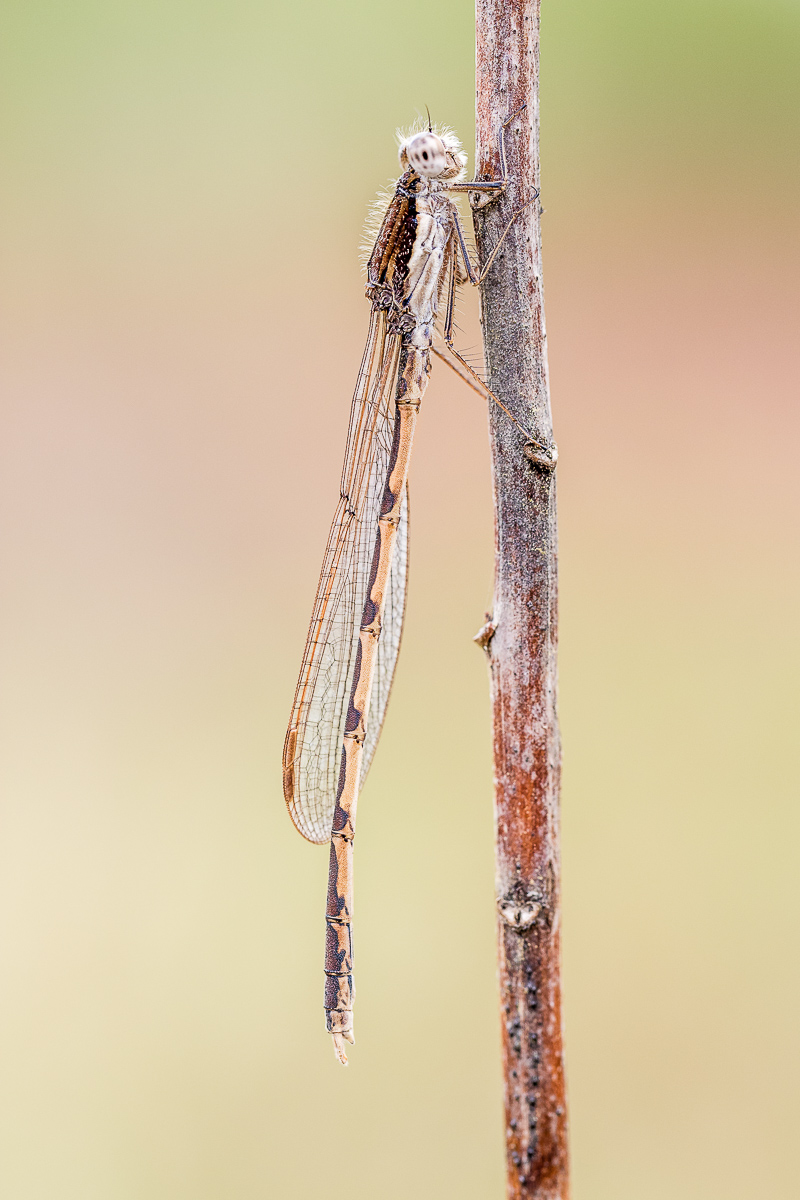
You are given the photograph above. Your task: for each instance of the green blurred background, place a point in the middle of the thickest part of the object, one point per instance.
(184, 188)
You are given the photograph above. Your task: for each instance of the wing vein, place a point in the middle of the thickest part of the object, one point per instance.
(313, 743)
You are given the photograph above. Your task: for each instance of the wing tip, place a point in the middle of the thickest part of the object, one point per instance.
(299, 820)
(289, 748)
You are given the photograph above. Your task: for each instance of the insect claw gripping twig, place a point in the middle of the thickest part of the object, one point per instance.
(541, 455)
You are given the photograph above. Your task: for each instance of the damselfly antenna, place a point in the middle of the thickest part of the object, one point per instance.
(430, 122)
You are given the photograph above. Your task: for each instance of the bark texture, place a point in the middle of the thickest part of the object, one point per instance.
(521, 637)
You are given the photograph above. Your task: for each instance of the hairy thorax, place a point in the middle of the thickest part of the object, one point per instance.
(430, 256)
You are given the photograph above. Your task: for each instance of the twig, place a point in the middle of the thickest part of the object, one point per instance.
(520, 637)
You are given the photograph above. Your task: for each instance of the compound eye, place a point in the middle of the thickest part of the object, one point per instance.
(427, 154)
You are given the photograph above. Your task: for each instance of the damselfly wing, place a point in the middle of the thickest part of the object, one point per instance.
(313, 747)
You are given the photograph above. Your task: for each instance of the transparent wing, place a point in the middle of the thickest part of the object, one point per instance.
(389, 642)
(312, 749)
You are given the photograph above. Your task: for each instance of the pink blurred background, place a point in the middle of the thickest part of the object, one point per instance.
(184, 192)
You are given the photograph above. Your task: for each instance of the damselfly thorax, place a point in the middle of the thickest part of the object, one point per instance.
(418, 259)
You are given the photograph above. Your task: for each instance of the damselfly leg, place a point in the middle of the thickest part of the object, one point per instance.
(535, 451)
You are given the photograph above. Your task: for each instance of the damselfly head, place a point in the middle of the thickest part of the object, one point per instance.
(426, 154)
(433, 153)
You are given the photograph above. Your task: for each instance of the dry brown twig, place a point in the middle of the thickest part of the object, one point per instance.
(520, 638)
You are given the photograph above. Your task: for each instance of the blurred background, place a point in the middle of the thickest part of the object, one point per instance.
(184, 187)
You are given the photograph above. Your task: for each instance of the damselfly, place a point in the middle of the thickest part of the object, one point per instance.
(418, 261)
